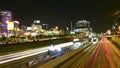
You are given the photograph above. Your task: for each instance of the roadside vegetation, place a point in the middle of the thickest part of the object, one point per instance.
(116, 41)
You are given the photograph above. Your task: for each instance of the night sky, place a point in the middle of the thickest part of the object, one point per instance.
(61, 13)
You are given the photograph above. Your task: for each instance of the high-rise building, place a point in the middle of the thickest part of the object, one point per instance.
(83, 27)
(36, 26)
(6, 16)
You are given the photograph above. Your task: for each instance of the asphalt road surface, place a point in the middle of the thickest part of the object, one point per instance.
(104, 54)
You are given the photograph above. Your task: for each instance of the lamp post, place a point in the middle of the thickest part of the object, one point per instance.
(114, 29)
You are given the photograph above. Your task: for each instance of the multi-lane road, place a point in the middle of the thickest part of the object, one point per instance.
(104, 54)
(24, 54)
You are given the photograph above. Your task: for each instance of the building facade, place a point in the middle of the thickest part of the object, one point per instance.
(5, 16)
(82, 27)
(36, 26)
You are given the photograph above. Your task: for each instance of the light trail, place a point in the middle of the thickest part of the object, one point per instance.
(107, 58)
(108, 54)
(102, 55)
(28, 53)
(96, 55)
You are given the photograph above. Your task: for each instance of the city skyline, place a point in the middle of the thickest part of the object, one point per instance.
(62, 13)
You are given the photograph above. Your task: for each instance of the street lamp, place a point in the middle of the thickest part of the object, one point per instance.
(114, 29)
(118, 27)
(56, 27)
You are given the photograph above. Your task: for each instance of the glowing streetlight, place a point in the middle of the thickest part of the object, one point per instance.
(56, 27)
(114, 29)
(108, 32)
(118, 27)
(35, 28)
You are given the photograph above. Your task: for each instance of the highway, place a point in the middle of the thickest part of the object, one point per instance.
(28, 53)
(104, 54)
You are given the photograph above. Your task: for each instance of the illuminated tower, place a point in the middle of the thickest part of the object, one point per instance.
(6, 16)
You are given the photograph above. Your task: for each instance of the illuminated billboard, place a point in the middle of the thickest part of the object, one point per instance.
(10, 25)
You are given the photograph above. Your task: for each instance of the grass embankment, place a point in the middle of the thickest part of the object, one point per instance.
(8, 48)
(116, 40)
